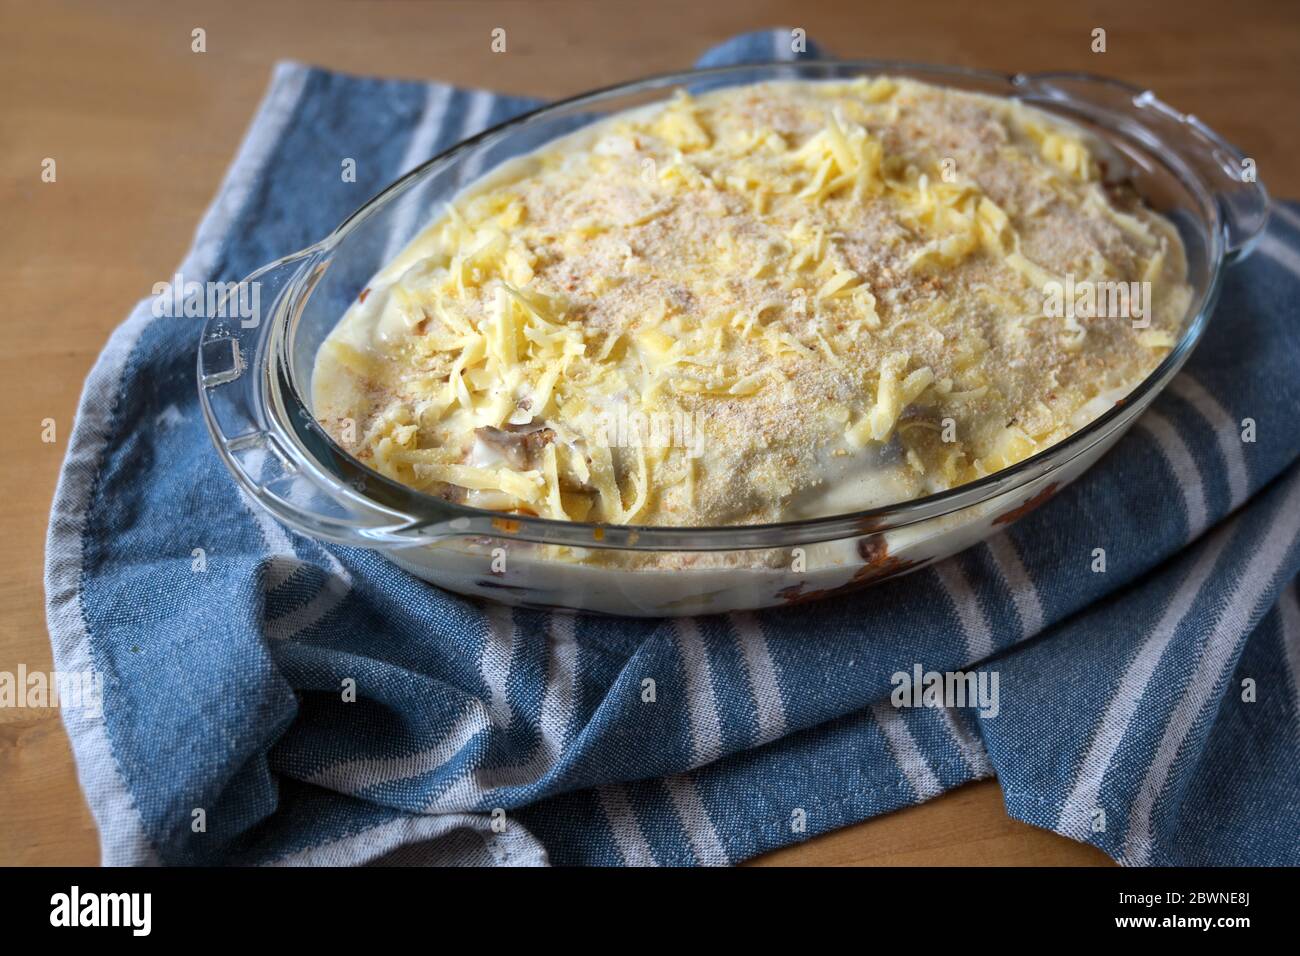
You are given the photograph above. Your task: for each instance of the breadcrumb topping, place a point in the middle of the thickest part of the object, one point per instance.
(760, 304)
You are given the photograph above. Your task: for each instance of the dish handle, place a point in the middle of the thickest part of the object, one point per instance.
(1223, 169)
(238, 401)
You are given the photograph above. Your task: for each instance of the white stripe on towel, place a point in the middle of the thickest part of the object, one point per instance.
(430, 841)
(1174, 450)
(282, 558)
(279, 570)
(1285, 213)
(1279, 250)
(273, 533)
(428, 129)
(628, 835)
(1230, 630)
(1024, 594)
(907, 754)
(1225, 431)
(294, 622)
(782, 46)
(555, 716)
(971, 747)
(975, 629)
(354, 776)
(701, 705)
(477, 114)
(561, 687)
(762, 677)
(419, 148)
(1111, 730)
(705, 842)
(494, 664)
(1290, 609)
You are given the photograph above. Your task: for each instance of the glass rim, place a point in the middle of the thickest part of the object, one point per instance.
(423, 510)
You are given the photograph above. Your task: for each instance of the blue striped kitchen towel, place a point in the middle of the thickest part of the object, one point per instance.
(1149, 709)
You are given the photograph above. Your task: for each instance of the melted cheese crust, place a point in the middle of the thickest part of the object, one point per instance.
(766, 303)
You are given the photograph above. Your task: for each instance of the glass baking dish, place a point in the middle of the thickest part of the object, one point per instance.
(254, 380)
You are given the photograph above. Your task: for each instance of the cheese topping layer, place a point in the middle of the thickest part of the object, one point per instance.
(766, 303)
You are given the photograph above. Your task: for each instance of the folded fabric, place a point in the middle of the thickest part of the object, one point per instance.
(1150, 708)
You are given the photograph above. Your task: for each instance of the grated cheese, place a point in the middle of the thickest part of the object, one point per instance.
(780, 285)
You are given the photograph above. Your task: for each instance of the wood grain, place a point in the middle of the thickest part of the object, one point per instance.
(142, 129)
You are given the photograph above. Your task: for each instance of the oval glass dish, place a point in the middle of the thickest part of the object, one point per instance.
(254, 382)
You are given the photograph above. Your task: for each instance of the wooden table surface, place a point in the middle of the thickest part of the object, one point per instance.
(142, 129)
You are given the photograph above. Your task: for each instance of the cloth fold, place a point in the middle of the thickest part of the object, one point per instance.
(1149, 708)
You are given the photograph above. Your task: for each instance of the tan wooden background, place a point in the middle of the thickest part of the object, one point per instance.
(101, 86)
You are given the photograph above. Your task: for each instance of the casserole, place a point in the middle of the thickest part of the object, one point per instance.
(254, 381)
